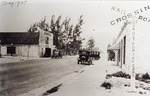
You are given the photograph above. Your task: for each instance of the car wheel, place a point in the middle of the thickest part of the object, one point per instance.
(90, 62)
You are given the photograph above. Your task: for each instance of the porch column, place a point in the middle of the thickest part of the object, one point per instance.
(116, 57)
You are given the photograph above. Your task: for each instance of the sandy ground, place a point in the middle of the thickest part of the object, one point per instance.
(88, 81)
(23, 76)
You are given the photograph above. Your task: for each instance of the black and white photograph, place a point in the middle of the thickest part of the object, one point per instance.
(74, 48)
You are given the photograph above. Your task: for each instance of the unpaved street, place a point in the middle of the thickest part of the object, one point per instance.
(18, 78)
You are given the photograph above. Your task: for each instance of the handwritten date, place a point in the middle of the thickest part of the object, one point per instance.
(13, 3)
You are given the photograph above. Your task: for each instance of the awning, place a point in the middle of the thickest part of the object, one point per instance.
(114, 47)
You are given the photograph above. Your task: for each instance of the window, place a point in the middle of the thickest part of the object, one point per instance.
(119, 55)
(124, 49)
(121, 52)
(47, 40)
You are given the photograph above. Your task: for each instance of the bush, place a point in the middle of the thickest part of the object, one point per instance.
(119, 74)
(107, 85)
(145, 76)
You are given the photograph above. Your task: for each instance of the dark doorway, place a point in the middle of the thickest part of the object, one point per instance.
(47, 52)
(11, 50)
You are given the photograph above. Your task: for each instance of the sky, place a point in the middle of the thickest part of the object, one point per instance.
(97, 16)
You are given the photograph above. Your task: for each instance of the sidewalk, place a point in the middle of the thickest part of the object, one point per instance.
(88, 83)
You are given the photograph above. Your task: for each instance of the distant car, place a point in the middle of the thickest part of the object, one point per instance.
(84, 57)
(95, 55)
(57, 54)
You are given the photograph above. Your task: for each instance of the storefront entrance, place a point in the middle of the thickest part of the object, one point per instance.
(47, 52)
(11, 50)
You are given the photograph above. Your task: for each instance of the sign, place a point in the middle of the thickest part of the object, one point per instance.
(126, 16)
(133, 54)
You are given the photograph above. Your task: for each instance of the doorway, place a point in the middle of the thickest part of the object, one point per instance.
(11, 50)
(47, 52)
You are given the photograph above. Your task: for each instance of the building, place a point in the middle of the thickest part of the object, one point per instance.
(131, 48)
(28, 44)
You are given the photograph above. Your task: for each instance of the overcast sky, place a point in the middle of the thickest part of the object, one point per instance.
(97, 16)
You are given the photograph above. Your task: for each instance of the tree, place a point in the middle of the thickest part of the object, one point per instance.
(57, 24)
(56, 30)
(40, 25)
(90, 44)
(65, 35)
(70, 30)
(77, 40)
(52, 26)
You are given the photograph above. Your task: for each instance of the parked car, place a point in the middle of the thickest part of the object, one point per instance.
(84, 57)
(95, 55)
(56, 54)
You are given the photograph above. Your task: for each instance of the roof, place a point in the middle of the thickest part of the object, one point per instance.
(122, 30)
(19, 38)
(114, 47)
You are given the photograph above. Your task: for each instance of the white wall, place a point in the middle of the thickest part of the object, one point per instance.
(27, 50)
(22, 50)
(3, 50)
(42, 39)
(143, 47)
(127, 32)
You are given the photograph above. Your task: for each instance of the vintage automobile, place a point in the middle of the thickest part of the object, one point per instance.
(95, 55)
(56, 54)
(84, 57)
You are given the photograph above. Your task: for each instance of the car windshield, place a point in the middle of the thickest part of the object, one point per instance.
(94, 53)
(83, 52)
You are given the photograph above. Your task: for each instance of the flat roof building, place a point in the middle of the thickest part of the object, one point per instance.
(28, 44)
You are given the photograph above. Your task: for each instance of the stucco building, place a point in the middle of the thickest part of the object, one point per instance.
(28, 44)
(131, 47)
